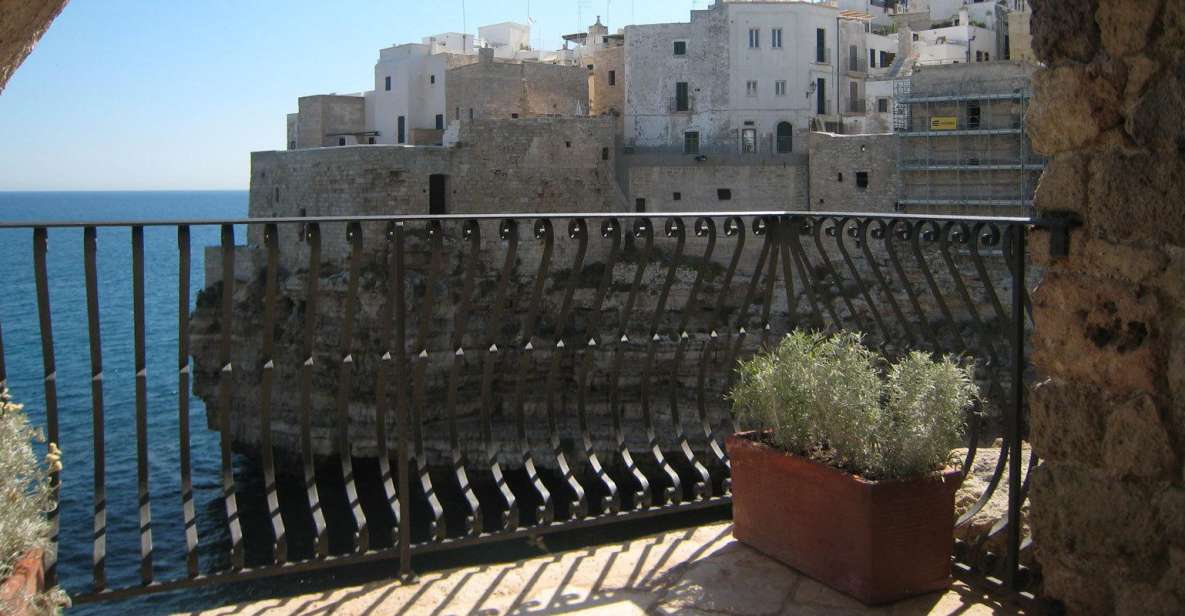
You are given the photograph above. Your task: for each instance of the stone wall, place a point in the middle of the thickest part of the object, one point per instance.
(606, 97)
(774, 185)
(834, 162)
(323, 119)
(22, 22)
(492, 89)
(1108, 503)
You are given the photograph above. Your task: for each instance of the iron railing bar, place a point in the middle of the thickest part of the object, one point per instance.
(271, 242)
(438, 529)
(173, 222)
(866, 236)
(50, 380)
(508, 232)
(382, 404)
(820, 227)
(672, 493)
(610, 502)
(308, 347)
(471, 233)
(225, 397)
(183, 374)
(890, 238)
(345, 374)
(145, 499)
(401, 402)
(99, 553)
(375, 556)
(578, 506)
(856, 235)
(642, 496)
(789, 232)
(544, 511)
(1016, 411)
(932, 284)
(702, 488)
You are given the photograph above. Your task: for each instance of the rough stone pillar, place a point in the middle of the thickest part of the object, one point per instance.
(22, 22)
(1108, 504)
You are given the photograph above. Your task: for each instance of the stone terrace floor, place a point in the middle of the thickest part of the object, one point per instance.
(692, 571)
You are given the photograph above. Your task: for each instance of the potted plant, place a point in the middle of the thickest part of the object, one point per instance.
(24, 531)
(844, 471)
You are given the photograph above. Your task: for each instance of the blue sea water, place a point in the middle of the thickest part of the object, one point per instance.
(22, 351)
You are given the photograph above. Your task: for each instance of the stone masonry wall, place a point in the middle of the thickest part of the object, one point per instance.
(753, 187)
(499, 90)
(1108, 503)
(836, 159)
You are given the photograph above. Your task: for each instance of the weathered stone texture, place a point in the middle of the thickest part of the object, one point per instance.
(836, 159)
(22, 22)
(1108, 503)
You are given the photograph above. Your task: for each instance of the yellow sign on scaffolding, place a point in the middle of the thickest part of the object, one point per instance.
(944, 123)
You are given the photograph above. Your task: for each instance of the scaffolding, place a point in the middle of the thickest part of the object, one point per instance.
(961, 144)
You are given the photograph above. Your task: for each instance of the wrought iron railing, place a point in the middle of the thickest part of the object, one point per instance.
(501, 376)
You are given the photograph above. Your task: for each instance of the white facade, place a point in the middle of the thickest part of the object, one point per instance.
(749, 68)
(507, 39)
(409, 84)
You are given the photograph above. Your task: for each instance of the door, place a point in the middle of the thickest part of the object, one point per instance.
(437, 194)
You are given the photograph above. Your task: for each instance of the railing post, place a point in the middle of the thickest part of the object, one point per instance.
(50, 380)
(1016, 412)
(401, 409)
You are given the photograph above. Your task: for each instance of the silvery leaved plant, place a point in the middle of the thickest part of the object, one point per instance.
(24, 487)
(830, 398)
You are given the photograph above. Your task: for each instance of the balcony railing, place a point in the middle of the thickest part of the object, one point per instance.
(411, 384)
(857, 65)
(822, 56)
(856, 105)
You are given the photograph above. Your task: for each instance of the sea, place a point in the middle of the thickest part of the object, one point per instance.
(23, 357)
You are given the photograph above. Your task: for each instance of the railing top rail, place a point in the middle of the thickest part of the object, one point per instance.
(1025, 220)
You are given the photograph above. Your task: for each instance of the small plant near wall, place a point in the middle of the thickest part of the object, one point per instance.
(830, 399)
(844, 470)
(24, 531)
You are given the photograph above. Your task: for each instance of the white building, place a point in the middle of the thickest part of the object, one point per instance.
(748, 77)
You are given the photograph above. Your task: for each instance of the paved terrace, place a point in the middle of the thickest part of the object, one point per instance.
(699, 570)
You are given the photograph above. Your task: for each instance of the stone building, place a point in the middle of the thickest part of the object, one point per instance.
(493, 88)
(853, 173)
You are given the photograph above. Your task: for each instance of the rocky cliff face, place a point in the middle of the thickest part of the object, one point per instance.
(641, 331)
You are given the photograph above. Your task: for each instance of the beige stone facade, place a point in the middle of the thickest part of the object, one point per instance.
(493, 89)
(1109, 420)
(853, 173)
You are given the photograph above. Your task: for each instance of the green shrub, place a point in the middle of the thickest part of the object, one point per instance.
(833, 400)
(24, 487)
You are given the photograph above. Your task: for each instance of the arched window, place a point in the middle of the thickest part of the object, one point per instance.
(785, 138)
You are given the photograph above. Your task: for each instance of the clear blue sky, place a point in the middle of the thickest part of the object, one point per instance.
(174, 95)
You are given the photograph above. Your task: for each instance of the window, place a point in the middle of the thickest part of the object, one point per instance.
(612, 78)
(749, 141)
(973, 114)
(402, 130)
(677, 196)
(567, 144)
(780, 87)
(820, 41)
(840, 177)
(691, 142)
(750, 88)
(979, 56)
(871, 58)
(514, 115)
(854, 96)
(987, 56)
(639, 205)
(457, 114)
(1007, 49)
(341, 140)
(785, 138)
(724, 194)
(821, 96)
(754, 38)
(277, 194)
(861, 179)
(853, 58)
(291, 145)
(387, 83)
(680, 48)
(370, 140)
(431, 78)
(437, 194)
(882, 105)
(440, 121)
(887, 58)
(775, 38)
(915, 36)
(681, 102)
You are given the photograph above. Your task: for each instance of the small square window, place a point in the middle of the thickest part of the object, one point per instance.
(639, 205)
(341, 140)
(612, 78)
(861, 179)
(604, 153)
(370, 140)
(431, 78)
(780, 87)
(514, 115)
(680, 48)
(882, 105)
(567, 144)
(724, 194)
(677, 196)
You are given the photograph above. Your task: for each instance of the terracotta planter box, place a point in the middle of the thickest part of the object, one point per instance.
(27, 580)
(876, 541)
